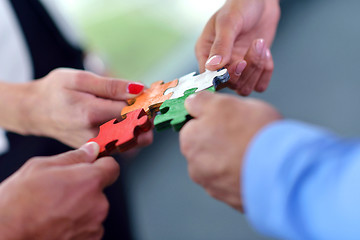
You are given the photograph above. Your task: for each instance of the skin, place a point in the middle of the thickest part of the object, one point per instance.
(216, 163)
(59, 197)
(67, 105)
(241, 33)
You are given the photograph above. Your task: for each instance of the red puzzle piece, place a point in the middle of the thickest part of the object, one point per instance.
(121, 136)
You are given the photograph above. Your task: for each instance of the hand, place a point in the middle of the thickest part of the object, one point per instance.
(69, 105)
(59, 197)
(238, 37)
(215, 141)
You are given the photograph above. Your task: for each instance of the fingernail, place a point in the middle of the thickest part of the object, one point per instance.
(260, 44)
(268, 54)
(214, 60)
(92, 148)
(135, 88)
(240, 68)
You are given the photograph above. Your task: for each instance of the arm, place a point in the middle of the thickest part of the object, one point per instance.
(309, 178)
(293, 180)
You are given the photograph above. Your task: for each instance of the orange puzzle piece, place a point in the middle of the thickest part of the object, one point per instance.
(122, 135)
(151, 99)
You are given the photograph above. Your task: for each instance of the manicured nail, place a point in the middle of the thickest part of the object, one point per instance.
(92, 148)
(240, 68)
(214, 60)
(135, 88)
(268, 54)
(260, 44)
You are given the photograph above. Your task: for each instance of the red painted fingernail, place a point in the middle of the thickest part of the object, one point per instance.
(135, 88)
(240, 68)
(214, 60)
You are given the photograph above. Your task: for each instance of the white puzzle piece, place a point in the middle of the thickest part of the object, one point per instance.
(201, 82)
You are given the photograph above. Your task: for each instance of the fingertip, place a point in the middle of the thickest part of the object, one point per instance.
(189, 102)
(135, 88)
(214, 62)
(240, 68)
(110, 170)
(92, 149)
(195, 103)
(260, 47)
(145, 139)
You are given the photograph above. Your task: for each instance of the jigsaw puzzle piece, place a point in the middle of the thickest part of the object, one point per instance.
(200, 82)
(122, 135)
(151, 99)
(173, 112)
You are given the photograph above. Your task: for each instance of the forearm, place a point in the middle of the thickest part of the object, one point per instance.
(300, 182)
(12, 225)
(14, 106)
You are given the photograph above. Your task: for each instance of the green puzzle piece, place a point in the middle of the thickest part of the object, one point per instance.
(173, 112)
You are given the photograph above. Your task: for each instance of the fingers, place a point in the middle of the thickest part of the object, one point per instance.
(265, 78)
(255, 59)
(204, 43)
(197, 104)
(256, 73)
(85, 154)
(102, 110)
(108, 88)
(145, 139)
(221, 50)
(109, 171)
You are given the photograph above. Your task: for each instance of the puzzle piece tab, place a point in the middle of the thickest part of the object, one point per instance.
(122, 135)
(201, 82)
(151, 99)
(173, 112)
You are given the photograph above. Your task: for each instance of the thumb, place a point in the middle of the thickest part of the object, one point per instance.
(109, 88)
(222, 47)
(197, 104)
(85, 154)
(109, 170)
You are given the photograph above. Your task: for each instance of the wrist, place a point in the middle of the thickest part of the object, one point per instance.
(13, 99)
(28, 109)
(10, 229)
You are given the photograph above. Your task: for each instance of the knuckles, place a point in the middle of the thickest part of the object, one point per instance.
(112, 88)
(90, 118)
(102, 209)
(80, 78)
(256, 63)
(34, 163)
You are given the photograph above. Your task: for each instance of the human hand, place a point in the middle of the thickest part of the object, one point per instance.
(238, 37)
(69, 105)
(59, 197)
(215, 141)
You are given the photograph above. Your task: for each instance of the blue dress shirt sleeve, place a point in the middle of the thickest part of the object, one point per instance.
(302, 182)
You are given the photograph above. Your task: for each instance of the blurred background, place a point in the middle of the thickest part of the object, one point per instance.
(316, 80)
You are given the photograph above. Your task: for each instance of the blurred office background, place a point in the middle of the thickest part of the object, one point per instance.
(316, 80)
